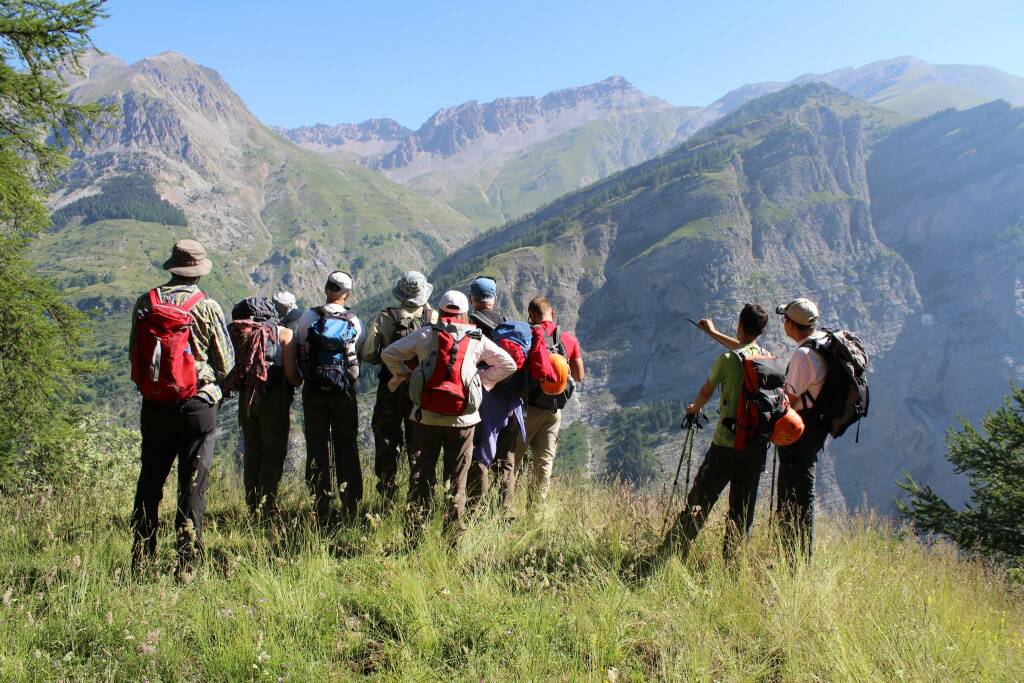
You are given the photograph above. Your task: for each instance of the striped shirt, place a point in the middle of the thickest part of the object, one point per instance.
(211, 345)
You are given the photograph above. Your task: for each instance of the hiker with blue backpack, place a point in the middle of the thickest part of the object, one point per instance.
(180, 353)
(501, 412)
(265, 376)
(326, 342)
(447, 365)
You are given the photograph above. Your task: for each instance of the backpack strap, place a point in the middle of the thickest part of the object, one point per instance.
(193, 300)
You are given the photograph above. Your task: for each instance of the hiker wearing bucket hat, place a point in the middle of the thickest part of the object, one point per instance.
(805, 378)
(326, 342)
(288, 312)
(725, 464)
(544, 411)
(181, 389)
(391, 424)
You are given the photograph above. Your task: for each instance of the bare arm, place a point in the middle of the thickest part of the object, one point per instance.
(703, 396)
(731, 343)
(291, 364)
(576, 369)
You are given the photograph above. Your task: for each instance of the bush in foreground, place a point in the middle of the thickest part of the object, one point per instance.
(544, 600)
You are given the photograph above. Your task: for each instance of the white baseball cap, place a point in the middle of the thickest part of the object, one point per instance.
(339, 280)
(454, 301)
(801, 311)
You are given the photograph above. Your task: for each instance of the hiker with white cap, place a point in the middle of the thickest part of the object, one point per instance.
(327, 339)
(391, 423)
(455, 363)
(805, 377)
(180, 353)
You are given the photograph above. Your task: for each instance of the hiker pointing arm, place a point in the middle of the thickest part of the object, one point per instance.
(708, 326)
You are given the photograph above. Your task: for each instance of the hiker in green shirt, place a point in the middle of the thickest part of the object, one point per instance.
(723, 464)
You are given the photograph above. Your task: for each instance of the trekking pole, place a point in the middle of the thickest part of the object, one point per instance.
(691, 423)
(771, 498)
(332, 466)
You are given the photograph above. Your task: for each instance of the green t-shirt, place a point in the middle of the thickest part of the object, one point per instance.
(727, 374)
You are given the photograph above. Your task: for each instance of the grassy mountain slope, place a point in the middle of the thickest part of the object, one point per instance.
(553, 600)
(904, 85)
(272, 214)
(503, 189)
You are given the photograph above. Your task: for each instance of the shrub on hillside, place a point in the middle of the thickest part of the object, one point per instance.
(993, 460)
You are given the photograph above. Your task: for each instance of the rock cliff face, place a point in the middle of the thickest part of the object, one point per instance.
(496, 160)
(258, 201)
(948, 196)
(770, 203)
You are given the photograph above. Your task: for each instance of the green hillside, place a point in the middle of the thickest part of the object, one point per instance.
(548, 600)
(497, 192)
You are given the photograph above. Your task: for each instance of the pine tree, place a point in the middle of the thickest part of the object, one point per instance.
(40, 359)
(993, 460)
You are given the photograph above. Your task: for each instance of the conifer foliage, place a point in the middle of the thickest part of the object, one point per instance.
(40, 361)
(992, 457)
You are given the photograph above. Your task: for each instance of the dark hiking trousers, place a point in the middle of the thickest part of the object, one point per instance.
(265, 430)
(174, 430)
(391, 429)
(722, 465)
(332, 418)
(428, 441)
(796, 488)
(503, 470)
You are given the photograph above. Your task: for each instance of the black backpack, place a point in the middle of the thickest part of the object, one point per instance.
(535, 396)
(844, 396)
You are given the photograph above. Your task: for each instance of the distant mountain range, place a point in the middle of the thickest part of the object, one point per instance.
(501, 159)
(632, 214)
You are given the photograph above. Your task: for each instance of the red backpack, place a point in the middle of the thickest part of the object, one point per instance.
(438, 384)
(763, 410)
(163, 367)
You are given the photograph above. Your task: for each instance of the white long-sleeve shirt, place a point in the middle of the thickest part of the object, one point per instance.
(806, 373)
(493, 364)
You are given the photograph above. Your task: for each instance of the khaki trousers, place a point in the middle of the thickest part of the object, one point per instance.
(542, 427)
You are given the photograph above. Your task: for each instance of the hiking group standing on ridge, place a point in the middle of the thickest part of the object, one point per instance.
(462, 384)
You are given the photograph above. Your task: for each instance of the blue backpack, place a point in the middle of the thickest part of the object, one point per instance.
(518, 333)
(331, 348)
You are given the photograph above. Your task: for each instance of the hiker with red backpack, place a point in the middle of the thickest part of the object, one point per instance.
(552, 381)
(455, 362)
(326, 343)
(827, 384)
(391, 424)
(265, 375)
(739, 447)
(180, 353)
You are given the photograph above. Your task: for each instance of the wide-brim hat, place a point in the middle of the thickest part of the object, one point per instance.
(413, 289)
(188, 259)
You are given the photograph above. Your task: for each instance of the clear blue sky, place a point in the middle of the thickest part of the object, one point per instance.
(306, 62)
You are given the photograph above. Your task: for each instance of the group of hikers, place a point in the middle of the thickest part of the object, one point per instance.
(460, 383)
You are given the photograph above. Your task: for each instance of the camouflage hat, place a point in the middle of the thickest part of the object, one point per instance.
(413, 289)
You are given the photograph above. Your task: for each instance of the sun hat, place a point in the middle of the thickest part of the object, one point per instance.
(413, 289)
(454, 302)
(188, 259)
(801, 311)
